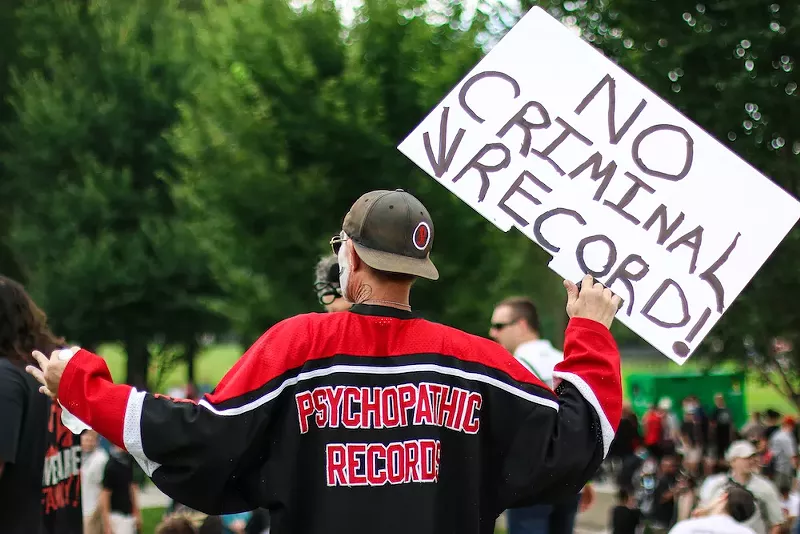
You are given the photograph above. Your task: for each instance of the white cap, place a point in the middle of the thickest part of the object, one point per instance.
(740, 449)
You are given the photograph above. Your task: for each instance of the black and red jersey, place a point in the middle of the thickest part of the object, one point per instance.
(369, 421)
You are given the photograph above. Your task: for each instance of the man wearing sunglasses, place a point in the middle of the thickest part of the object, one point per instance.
(327, 287)
(515, 326)
(371, 420)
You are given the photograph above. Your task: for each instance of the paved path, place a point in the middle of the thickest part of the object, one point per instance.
(151, 497)
(594, 520)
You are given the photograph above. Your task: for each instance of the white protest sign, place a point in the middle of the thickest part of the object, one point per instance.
(547, 135)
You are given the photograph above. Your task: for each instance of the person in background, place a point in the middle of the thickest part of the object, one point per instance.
(721, 426)
(653, 423)
(176, 524)
(692, 451)
(235, 523)
(790, 504)
(625, 516)
(327, 286)
(515, 326)
(93, 464)
(753, 429)
(625, 441)
(40, 460)
(726, 515)
(665, 496)
(119, 498)
(772, 423)
(686, 496)
(783, 448)
(741, 457)
(671, 427)
(765, 464)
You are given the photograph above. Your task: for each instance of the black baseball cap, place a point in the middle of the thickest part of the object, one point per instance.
(393, 232)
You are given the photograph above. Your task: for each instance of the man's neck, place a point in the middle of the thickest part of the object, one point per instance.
(391, 296)
(742, 479)
(527, 338)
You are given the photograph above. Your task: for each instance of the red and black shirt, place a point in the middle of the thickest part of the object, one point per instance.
(369, 421)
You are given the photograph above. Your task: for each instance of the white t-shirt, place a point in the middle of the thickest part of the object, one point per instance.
(791, 506)
(92, 467)
(713, 524)
(768, 500)
(540, 357)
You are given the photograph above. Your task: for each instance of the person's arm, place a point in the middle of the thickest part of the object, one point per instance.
(557, 450)
(587, 497)
(104, 504)
(200, 454)
(135, 510)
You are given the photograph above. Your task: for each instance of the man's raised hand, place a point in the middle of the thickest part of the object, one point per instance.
(594, 301)
(49, 372)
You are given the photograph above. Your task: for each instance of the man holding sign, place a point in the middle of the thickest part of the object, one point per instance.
(371, 420)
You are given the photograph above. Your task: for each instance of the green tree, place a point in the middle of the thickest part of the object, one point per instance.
(304, 119)
(90, 174)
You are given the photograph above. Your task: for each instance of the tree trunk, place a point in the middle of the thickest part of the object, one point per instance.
(191, 354)
(137, 363)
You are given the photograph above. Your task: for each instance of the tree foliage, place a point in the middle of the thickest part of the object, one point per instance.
(730, 67)
(174, 168)
(89, 171)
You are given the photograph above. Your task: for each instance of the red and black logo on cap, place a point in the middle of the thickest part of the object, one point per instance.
(422, 236)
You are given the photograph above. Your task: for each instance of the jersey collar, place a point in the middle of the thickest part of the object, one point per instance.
(382, 311)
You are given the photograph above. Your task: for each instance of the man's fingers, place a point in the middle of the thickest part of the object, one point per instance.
(616, 300)
(47, 392)
(40, 358)
(36, 373)
(572, 291)
(587, 282)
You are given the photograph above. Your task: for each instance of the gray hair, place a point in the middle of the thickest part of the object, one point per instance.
(327, 273)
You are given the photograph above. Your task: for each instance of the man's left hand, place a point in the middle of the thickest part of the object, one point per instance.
(50, 370)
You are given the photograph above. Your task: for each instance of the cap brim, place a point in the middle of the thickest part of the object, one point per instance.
(394, 263)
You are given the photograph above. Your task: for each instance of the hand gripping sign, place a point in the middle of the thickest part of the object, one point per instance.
(548, 136)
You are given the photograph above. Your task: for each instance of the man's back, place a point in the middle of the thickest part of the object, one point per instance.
(372, 420)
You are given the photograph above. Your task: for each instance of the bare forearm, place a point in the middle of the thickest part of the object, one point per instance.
(105, 509)
(135, 499)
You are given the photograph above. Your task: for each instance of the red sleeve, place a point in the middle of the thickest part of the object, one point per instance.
(211, 455)
(592, 364)
(89, 393)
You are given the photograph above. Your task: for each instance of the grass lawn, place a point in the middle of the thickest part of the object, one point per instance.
(150, 518)
(213, 362)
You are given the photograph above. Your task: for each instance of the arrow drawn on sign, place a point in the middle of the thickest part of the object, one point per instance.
(442, 164)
